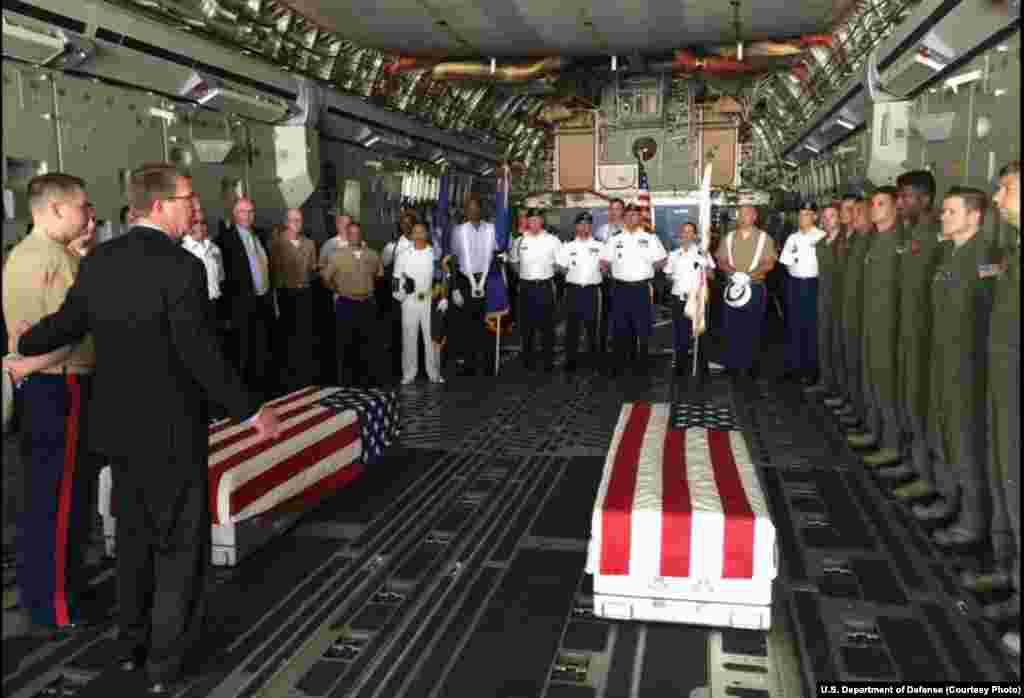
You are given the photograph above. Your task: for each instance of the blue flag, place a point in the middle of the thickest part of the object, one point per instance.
(497, 283)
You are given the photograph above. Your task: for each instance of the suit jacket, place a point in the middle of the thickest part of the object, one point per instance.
(156, 353)
(238, 287)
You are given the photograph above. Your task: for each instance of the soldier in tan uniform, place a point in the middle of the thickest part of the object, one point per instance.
(351, 273)
(292, 266)
(54, 525)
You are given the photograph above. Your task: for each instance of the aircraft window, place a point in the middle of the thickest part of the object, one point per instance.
(351, 198)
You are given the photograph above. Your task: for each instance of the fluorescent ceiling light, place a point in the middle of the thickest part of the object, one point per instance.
(439, 160)
(930, 62)
(846, 124)
(162, 114)
(812, 148)
(371, 140)
(486, 172)
(1000, 92)
(964, 79)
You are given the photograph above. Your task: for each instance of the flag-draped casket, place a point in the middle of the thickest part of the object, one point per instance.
(680, 529)
(328, 436)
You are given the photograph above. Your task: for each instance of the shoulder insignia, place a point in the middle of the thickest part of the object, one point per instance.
(915, 247)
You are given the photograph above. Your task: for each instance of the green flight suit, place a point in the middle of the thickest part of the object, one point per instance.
(880, 333)
(1004, 414)
(853, 316)
(962, 290)
(826, 254)
(920, 256)
(841, 252)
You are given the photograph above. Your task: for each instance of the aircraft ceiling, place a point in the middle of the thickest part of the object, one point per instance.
(517, 28)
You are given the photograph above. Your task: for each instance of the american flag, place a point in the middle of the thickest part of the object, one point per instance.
(378, 412)
(644, 201)
(679, 498)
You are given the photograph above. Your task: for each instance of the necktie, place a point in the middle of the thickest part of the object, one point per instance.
(257, 261)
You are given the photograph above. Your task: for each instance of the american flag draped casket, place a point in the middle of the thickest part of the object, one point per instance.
(328, 435)
(680, 530)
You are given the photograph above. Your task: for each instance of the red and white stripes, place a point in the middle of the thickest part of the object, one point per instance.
(679, 503)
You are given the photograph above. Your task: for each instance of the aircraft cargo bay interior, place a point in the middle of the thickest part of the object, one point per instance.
(641, 348)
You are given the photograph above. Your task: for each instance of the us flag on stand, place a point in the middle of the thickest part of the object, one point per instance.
(680, 498)
(644, 200)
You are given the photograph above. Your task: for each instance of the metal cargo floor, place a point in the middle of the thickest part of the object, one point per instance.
(455, 568)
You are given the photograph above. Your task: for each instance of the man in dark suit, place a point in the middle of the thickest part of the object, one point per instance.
(156, 355)
(248, 296)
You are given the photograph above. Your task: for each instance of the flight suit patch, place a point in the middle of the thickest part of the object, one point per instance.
(986, 271)
(915, 247)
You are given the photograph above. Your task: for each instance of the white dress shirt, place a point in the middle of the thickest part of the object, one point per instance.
(393, 250)
(799, 255)
(209, 254)
(535, 256)
(581, 259)
(683, 266)
(418, 265)
(474, 246)
(605, 231)
(254, 251)
(633, 255)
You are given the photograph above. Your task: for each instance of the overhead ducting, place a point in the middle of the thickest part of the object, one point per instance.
(468, 70)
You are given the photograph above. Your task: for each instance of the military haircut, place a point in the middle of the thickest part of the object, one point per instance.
(617, 200)
(851, 197)
(974, 199)
(921, 181)
(54, 186)
(831, 204)
(888, 190)
(1010, 168)
(150, 183)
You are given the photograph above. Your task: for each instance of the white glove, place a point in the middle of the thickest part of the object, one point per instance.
(741, 278)
(442, 305)
(457, 297)
(502, 256)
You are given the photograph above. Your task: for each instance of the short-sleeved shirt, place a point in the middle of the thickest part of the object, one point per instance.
(37, 276)
(581, 260)
(353, 271)
(536, 256)
(291, 264)
(743, 251)
(633, 254)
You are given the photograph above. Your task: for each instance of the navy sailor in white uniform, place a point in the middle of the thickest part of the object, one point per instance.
(684, 265)
(581, 260)
(632, 256)
(534, 256)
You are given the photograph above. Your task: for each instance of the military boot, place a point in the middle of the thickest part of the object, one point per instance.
(861, 440)
(937, 511)
(1003, 611)
(886, 456)
(984, 582)
(918, 489)
(957, 536)
(1011, 643)
(896, 473)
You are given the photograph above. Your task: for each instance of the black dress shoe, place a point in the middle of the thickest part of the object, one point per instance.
(1003, 611)
(957, 536)
(133, 660)
(165, 687)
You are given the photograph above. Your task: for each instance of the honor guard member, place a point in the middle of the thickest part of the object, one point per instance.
(389, 256)
(632, 256)
(825, 252)
(53, 527)
(880, 329)
(293, 266)
(683, 267)
(352, 274)
(919, 256)
(581, 260)
(842, 250)
(535, 256)
(614, 226)
(474, 245)
(746, 255)
(800, 257)
(853, 414)
(961, 311)
(1004, 411)
(413, 284)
